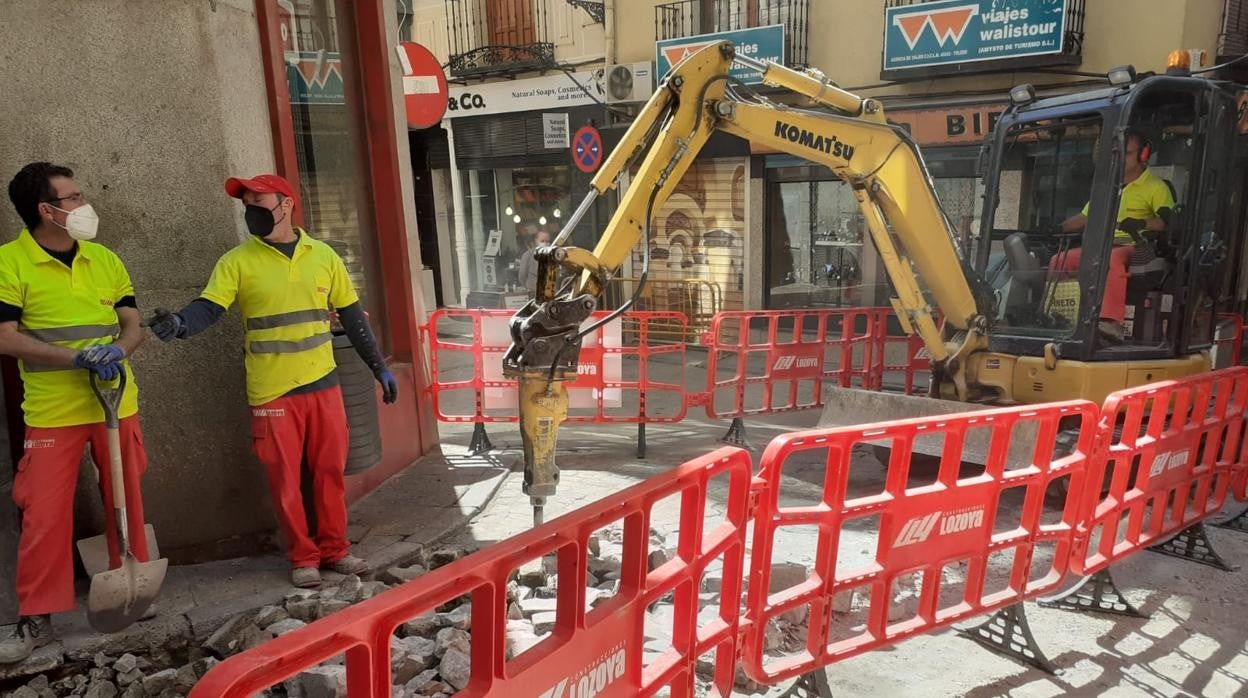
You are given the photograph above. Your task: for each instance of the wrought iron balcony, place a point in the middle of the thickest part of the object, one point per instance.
(675, 20)
(1071, 53)
(497, 37)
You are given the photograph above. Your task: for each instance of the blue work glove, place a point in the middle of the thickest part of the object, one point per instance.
(165, 325)
(108, 370)
(98, 354)
(389, 386)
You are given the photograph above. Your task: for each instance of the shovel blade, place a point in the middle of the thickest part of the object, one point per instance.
(94, 551)
(118, 598)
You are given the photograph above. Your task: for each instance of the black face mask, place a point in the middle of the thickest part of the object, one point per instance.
(259, 219)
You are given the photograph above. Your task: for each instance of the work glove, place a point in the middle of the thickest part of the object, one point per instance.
(98, 354)
(106, 368)
(165, 325)
(389, 386)
(1132, 226)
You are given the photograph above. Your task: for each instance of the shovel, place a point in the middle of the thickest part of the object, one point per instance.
(120, 597)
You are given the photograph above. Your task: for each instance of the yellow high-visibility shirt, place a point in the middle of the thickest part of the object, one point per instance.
(1142, 198)
(285, 303)
(69, 307)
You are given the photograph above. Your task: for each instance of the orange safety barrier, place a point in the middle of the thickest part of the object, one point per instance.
(602, 391)
(596, 652)
(916, 362)
(763, 362)
(1165, 459)
(929, 520)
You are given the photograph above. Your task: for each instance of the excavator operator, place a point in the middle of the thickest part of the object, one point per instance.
(1143, 207)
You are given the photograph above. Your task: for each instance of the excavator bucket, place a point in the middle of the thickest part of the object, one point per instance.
(850, 406)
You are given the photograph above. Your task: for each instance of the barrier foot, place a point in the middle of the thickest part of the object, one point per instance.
(641, 439)
(1193, 544)
(736, 434)
(1008, 633)
(812, 685)
(480, 440)
(1096, 593)
(1239, 522)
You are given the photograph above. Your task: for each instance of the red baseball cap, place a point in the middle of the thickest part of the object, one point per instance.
(260, 184)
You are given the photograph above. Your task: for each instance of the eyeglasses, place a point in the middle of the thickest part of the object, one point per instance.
(75, 198)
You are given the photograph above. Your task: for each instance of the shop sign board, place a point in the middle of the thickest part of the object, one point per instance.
(315, 77)
(555, 130)
(961, 125)
(956, 31)
(938, 126)
(554, 91)
(761, 43)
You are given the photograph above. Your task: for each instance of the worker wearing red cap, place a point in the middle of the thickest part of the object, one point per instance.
(285, 283)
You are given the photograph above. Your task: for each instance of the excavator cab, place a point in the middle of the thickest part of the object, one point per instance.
(1066, 242)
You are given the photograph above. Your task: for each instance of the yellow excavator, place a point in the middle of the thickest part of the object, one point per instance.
(1020, 325)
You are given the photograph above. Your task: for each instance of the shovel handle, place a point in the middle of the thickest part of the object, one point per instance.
(110, 402)
(110, 398)
(118, 476)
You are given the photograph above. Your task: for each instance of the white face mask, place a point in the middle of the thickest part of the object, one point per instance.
(81, 223)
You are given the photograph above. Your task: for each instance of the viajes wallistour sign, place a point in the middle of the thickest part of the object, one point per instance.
(957, 31)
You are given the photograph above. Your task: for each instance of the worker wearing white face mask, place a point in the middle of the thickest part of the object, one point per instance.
(67, 308)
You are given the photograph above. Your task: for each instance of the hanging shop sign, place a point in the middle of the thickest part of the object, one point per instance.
(555, 130)
(956, 31)
(554, 91)
(761, 43)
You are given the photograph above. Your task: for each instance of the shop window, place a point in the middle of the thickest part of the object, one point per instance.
(819, 247)
(696, 245)
(819, 251)
(504, 212)
(329, 142)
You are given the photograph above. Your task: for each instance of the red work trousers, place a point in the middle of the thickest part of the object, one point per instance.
(283, 430)
(43, 490)
(1114, 307)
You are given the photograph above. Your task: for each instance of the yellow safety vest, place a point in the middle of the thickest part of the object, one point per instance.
(69, 307)
(285, 303)
(1142, 198)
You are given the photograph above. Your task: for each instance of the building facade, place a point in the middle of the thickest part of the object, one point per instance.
(154, 105)
(749, 228)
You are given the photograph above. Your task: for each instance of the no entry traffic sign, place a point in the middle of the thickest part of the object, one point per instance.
(424, 85)
(587, 149)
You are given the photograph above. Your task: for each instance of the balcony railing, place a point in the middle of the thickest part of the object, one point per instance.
(1071, 54)
(675, 20)
(497, 37)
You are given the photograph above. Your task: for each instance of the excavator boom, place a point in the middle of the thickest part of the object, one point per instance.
(848, 134)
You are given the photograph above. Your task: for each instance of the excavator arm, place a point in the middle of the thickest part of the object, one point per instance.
(849, 135)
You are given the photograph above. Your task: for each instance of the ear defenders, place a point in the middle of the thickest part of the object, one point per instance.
(1146, 150)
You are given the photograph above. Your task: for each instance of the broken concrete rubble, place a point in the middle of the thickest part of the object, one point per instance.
(282, 627)
(424, 647)
(456, 667)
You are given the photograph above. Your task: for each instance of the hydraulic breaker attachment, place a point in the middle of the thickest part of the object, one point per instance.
(543, 407)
